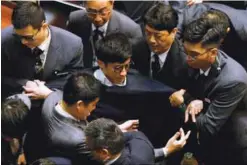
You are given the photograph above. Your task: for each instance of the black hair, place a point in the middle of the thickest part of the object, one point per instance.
(161, 17)
(216, 17)
(81, 86)
(115, 47)
(14, 114)
(202, 30)
(105, 133)
(27, 13)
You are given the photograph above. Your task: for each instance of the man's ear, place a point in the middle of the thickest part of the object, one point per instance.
(214, 53)
(79, 104)
(228, 29)
(44, 25)
(174, 32)
(101, 64)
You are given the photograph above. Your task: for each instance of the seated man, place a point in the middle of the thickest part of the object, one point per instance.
(97, 21)
(215, 87)
(64, 117)
(160, 55)
(129, 95)
(111, 146)
(33, 50)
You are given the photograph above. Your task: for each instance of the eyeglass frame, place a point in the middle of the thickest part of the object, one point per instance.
(27, 38)
(200, 54)
(101, 12)
(119, 68)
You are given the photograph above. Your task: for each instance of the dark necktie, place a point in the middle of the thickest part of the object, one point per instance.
(38, 63)
(155, 66)
(96, 35)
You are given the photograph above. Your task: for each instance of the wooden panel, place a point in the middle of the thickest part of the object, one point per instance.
(6, 13)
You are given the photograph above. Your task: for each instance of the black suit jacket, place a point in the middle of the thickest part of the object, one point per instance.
(174, 71)
(137, 150)
(64, 55)
(223, 92)
(144, 99)
(235, 43)
(80, 25)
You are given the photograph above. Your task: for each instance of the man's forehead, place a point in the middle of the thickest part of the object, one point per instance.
(152, 30)
(98, 4)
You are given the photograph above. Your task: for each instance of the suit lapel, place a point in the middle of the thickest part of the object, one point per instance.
(113, 25)
(52, 55)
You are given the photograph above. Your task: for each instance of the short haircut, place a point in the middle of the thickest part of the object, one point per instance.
(43, 161)
(27, 13)
(202, 30)
(105, 134)
(14, 114)
(81, 86)
(216, 17)
(161, 17)
(114, 47)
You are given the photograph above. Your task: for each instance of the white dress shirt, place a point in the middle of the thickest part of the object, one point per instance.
(162, 57)
(102, 28)
(99, 75)
(112, 161)
(62, 112)
(44, 46)
(206, 72)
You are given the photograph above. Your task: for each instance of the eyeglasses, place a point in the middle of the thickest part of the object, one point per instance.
(27, 38)
(102, 12)
(194, 55)
(119, 68)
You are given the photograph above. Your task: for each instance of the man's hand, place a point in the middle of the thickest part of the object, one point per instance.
(176, 99)
(193, 109)
(21, 159)
(174, 144)
(192, 2)
(40, 91)
(130, 125)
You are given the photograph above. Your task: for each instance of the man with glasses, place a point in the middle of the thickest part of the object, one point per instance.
(160, 55)
(217, 88)
(37, 58)
(129, 95)
(97, 21)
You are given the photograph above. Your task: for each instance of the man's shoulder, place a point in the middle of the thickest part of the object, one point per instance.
(6, 35)
(64, 34)
(77, 16)
(232, 72)
(124, 20)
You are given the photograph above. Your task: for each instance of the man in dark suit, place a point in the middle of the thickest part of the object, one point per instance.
(129, 95)
(97, 21)
(235, 42)
(35, 56)
(218, 85)
(160, 55)
(112, 146)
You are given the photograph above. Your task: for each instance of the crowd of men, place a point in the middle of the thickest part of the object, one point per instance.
(119, 91)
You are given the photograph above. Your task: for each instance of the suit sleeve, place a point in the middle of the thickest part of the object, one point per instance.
(10, 84)
(220, 109)
(140, 147)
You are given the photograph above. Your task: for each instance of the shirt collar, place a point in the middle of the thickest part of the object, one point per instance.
(101, 28)
(206, 72)
(113, 160)
(46, 43)
(162, 57)
(65, 114)
(99, 75)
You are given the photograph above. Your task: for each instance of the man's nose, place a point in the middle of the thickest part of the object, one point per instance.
(123, 72)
